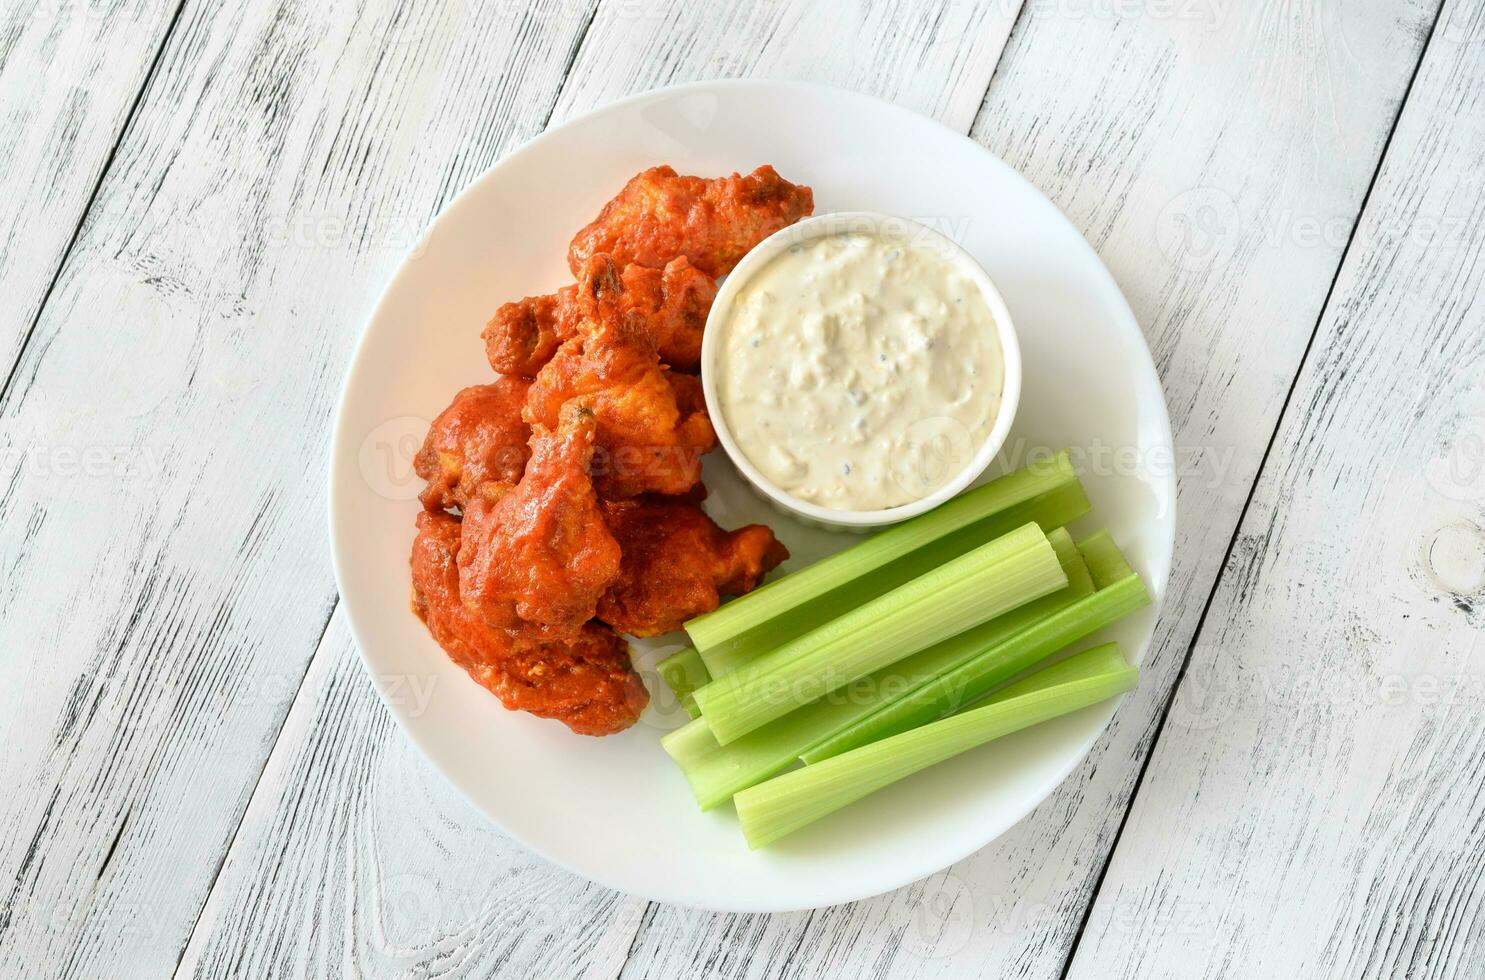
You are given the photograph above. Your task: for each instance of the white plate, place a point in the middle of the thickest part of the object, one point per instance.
(615, 809)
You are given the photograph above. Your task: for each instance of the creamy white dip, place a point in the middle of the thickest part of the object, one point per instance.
(860, 372)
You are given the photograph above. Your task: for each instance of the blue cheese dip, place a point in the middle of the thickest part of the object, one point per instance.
(860, 372)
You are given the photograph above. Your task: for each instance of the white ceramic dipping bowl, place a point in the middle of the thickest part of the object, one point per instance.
(914, 233)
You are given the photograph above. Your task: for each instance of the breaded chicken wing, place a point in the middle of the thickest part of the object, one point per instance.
(672, 305)
(480, 437)
(524, 334)
(539, 556)
(713, 222)
(652, 425)
(678, 564)
(588, 684)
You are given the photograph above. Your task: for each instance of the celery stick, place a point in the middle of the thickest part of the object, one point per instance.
(1105, 562)
(716, 772)
(715, 775)
(964, 683)
(1047, 493)
(1048, 511)
(690, 743)
(1102, 659)
(1074, 566)
(786, 803)
(895, 542)
(683, 673)
(995, 578)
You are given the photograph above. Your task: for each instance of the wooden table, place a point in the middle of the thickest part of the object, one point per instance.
(199, 202)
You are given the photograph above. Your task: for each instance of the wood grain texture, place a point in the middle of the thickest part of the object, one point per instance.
(166, 574)
(935, 59)
(307, 851)
(70, 72)
(356, 861)
(1217, 159)
(283, 160)
(1316, 805)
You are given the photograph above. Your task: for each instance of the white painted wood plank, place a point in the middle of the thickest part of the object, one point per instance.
(1316, 804)
(166, 575)
(936, 59)
(355, 861)
(69, 73)
(276, 876)
(1216, 158)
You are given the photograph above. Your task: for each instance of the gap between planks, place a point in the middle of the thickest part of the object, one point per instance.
(335, 605)
(82, 219)
(628, 943)
(1284, 407)
(645, 916)
(216, 873)
(1108, 858)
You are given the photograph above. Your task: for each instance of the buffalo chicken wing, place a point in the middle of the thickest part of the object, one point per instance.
(538, 556)
(652, 425)
(671, 304)
(562, 500)
(587, 683)
(678, 564)
(713, 222)
(479, 438)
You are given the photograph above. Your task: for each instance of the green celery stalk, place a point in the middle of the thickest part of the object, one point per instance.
(786, 608)
(690, 744)
(966, 682)
(715, 772)
(1047, 511)
(995, 578)
(1105, 658)
(1105, 562)
(683, 672)
(786, 803)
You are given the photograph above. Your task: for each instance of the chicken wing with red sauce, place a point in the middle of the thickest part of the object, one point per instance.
(481, 437)
(577, 473)
(678, 564)
(713, 222)
(652, 425)
(538, 556)
(524, 334)
(588, 684)
(672, 305)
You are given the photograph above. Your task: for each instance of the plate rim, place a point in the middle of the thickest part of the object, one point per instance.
(340, 440)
